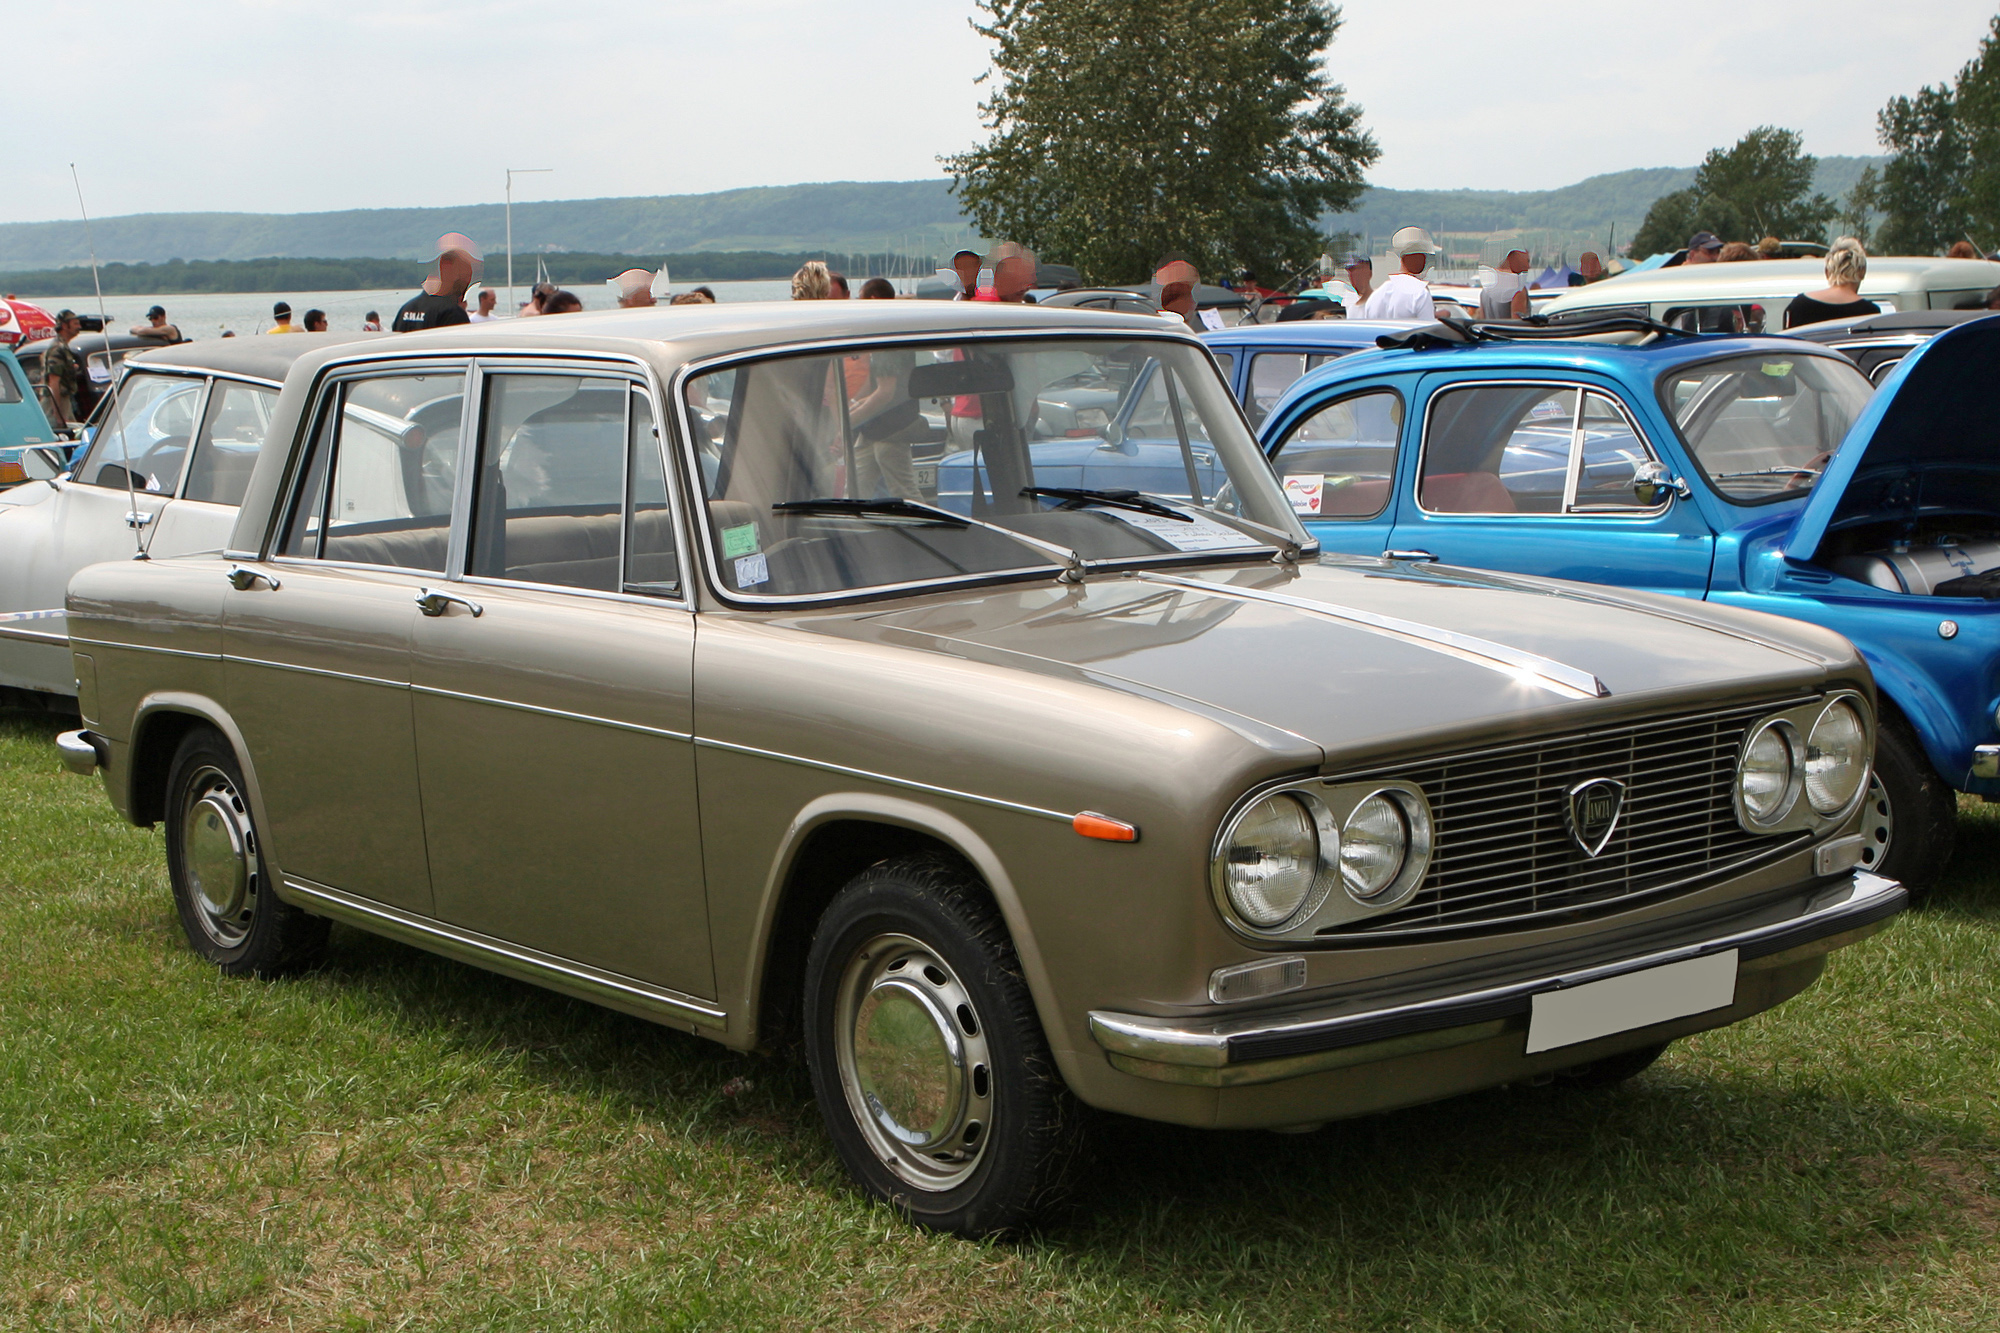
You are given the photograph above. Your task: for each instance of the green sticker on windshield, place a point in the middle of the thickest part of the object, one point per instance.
(1777, 370)
(739, 540)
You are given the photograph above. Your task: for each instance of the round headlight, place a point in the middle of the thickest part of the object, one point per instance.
(1767, 779)
(1374, 842)
(1272, 861)
(1836, 758)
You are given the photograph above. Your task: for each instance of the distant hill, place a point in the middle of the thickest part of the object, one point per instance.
(918, 218)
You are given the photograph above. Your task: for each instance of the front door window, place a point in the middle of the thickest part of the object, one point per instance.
(1340, 461)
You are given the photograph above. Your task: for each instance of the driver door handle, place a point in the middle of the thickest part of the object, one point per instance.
(1408, 555)
(434, 603)
(243, 579)
(138, 518)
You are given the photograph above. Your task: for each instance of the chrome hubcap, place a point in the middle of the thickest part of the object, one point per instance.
(913, 1062)
(219, 857)
(1878, 824)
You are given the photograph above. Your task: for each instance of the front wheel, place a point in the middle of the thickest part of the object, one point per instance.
(926, 1054)
(1910, 817)
(216, 863)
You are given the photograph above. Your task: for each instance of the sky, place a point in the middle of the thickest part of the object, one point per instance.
(303, 106)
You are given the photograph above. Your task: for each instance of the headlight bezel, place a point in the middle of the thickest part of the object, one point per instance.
(1797, 814)
(1331, 901)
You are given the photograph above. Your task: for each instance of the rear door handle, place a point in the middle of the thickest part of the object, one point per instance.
(1408, 555)
(434, 603)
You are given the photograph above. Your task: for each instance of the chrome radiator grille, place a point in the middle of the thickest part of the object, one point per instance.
(1503, 853)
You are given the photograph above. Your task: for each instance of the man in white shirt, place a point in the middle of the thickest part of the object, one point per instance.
(1506, 297)
(1405, 295)
(485, 311)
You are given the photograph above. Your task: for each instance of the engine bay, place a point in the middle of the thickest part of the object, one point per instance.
(1958, 559)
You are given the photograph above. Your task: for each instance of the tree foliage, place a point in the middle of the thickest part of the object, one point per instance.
(1125, 129)
(1943, 184)
(1760, 187)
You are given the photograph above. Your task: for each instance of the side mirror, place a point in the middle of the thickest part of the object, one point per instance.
(44, 462)
(1652, 483)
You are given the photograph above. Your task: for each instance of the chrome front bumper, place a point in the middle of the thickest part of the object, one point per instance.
(1266, 1048)
(80, 754)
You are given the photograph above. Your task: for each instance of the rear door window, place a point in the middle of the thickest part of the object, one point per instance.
(232, 433)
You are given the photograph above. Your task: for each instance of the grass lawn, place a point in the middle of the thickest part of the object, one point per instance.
(401, 1142)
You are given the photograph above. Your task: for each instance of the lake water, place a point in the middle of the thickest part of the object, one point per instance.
(207, 314)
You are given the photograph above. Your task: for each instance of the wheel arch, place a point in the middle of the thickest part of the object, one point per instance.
(832, 839)
(159, 724)
(1909, 697)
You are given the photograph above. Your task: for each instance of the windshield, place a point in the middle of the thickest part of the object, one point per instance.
(145, 433)
(1762, 427)
(888, 465)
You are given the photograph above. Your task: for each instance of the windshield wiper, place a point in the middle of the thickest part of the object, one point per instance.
(1075, 497)
(1146, 502)
(1771, 472)
(1074, 566)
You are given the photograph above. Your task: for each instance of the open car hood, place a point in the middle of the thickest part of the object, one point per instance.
(1928, 444)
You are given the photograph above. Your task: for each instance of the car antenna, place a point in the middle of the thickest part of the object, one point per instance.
(111, 413)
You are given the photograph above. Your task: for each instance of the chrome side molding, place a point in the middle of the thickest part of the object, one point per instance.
(515, 960)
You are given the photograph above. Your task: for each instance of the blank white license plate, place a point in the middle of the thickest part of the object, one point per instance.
(1635, 1000)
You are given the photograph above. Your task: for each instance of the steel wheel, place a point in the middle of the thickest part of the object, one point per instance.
(219, 857)
(1878, 824)
(913, 1062)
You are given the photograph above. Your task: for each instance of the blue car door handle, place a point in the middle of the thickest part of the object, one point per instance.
(1408, 555)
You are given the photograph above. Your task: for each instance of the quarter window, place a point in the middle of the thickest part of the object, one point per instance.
(1529, 449)
(226, 450)
(1340, 461)
(549, 503)
(382, 441)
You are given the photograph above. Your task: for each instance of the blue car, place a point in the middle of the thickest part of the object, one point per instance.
(23, 424)
(1754, 471)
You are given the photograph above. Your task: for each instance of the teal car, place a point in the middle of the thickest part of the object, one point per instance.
(23, 424)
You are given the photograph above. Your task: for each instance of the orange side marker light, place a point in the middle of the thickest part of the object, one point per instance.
(1093, 825)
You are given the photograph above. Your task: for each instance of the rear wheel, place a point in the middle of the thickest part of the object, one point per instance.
(1910, 819)
(926, 1054)
(215, 859)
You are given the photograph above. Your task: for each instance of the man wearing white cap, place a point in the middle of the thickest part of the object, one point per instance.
(635, 289)
(1405, 295)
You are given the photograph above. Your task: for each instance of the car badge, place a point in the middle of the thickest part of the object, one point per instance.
(1593, 811)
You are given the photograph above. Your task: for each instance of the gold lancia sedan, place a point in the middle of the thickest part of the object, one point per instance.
(949, 691)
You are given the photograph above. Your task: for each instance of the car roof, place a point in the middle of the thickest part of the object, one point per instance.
(1773, 279)
(1915, 323)
(1312, 332)
(1611, 360)
(265, 358)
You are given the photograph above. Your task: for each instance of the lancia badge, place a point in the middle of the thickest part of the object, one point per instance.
(1593, 812)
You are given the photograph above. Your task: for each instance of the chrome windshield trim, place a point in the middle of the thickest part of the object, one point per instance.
(1529, 668)
(567, 716)
(905, 783)
(1871, 899)
(501, 956)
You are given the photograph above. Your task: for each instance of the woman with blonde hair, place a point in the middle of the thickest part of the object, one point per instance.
(812, 282)
(1846, 266)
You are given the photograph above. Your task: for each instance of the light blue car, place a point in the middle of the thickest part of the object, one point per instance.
(24, 427)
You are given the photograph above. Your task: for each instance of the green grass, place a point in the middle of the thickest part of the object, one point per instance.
(401, 1142)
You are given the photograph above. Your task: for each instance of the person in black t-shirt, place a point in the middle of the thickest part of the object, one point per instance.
(1846, 266)
(442, 301)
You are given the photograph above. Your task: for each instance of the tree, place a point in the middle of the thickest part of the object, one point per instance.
(1126, 129)
(1857, 207)
(1760, 187)
(1943, 184)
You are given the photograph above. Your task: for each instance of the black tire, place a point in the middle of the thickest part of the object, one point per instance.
(1911, 814)
(221, 888)
(912, 962)
(1612, 1070)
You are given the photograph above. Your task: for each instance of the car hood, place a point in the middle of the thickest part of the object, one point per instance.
(1354, 654)
(1928, 443)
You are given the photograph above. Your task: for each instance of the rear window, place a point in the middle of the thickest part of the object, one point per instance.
(1762, 427)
